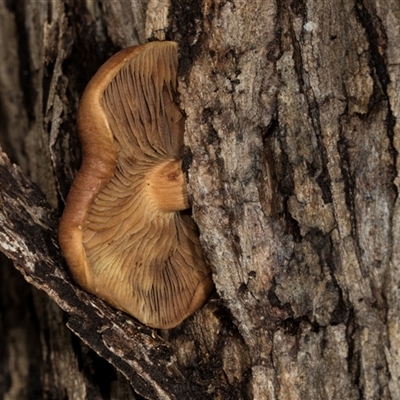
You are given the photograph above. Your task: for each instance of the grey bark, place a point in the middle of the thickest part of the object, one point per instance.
(293, 127)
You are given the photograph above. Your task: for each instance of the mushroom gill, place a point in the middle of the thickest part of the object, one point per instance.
(124, 232)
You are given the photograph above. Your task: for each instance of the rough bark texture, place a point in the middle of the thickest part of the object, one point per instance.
(293, 126)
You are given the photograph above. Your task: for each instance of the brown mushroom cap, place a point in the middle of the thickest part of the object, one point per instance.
(123, 232)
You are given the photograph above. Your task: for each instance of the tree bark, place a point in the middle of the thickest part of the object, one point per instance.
(292, 123)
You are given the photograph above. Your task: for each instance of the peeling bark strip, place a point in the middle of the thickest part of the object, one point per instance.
(292, 123)
(226, 139)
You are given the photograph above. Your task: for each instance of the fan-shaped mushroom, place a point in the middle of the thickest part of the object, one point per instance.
(123, 232)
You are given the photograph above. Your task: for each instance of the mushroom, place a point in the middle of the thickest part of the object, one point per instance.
(126, 233)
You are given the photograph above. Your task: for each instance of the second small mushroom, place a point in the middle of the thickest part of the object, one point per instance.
(124, 232)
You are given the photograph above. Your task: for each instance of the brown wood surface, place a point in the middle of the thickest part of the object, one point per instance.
(292, 130)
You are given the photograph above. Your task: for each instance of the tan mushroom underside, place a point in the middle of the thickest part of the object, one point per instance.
(124, 233)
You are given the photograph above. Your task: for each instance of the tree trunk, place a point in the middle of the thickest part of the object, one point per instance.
(292, 122)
